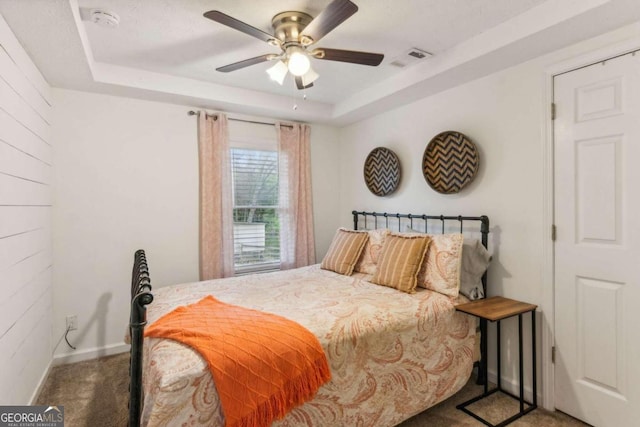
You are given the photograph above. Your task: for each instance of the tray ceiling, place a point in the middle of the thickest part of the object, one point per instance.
(166, 50)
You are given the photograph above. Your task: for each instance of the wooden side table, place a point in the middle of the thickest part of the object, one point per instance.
(495, 309)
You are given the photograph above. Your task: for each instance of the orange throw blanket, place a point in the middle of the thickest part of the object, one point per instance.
(263, 365)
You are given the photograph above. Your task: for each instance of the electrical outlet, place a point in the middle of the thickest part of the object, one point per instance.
(72, 322)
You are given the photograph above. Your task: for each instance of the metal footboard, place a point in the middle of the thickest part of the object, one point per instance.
(140, 297)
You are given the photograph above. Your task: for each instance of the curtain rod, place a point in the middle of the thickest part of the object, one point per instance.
(215, 117)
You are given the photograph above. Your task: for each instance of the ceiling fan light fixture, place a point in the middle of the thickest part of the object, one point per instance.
(293, 33)
(278, 72)
(309, 77)
(298, 62)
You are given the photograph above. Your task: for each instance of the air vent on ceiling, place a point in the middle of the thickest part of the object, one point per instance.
(410, 57)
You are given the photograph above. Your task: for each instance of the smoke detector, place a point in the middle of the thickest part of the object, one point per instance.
(105, 18)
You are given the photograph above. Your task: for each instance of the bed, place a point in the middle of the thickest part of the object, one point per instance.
(392, 354)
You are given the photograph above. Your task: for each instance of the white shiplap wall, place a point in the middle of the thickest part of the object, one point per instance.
(25, 223)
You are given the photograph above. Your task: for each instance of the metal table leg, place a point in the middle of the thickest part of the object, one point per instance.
(521, 400)
(498, 356)
(533, 358)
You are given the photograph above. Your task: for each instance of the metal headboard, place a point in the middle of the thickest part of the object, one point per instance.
(140, 297)
(382, 220)
(383, 217)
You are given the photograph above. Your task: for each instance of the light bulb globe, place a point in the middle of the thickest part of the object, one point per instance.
(309, 77)
(278, 72)
(299, 63)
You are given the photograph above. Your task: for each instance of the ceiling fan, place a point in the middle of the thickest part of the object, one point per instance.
(295, 32)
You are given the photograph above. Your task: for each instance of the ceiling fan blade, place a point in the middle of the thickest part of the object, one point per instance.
(229, 21)
(246, 63)
(332, 16)
(300, 84)
(352, 56)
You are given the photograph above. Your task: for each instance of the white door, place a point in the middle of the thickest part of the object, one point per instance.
(597, 250)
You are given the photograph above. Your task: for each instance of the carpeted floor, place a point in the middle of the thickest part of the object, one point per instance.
(94, 394)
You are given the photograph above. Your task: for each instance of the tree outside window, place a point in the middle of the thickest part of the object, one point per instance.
(256, 225)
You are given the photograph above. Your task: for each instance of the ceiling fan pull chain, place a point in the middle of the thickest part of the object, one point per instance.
(293, 95)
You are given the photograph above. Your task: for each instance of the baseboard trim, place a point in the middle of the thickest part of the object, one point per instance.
(92, 353)
(513, 386)
(43, 380)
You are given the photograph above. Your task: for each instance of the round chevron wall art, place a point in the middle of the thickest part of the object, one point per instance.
(382, 171)
(450, 162)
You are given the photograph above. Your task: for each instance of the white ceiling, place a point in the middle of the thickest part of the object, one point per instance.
(173, 37)
(166, 50)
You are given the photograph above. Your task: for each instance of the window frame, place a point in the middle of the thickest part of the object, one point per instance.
(255, 144)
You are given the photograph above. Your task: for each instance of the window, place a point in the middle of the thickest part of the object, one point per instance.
(256, 228)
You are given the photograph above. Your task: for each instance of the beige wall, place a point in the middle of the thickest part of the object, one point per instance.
(501, 114)
(506, 116)
(127, 178)
(25, 223)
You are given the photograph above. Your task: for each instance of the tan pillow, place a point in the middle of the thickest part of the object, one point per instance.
(440, 271)
(344, 251)
(400, 260)
(369, 257)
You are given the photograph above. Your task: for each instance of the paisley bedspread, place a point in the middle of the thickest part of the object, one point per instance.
(391, 354)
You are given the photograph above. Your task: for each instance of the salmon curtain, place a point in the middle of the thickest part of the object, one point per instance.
(216, 205)
(297, 242)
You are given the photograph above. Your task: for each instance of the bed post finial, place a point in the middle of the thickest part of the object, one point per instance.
(355, 219)
(484, 229)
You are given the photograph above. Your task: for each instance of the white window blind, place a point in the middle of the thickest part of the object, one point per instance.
(256, 227)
